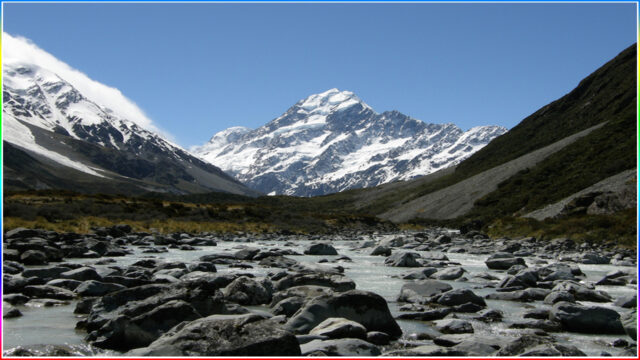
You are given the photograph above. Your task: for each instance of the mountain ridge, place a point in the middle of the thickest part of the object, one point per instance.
(333, 141)
(52, 123)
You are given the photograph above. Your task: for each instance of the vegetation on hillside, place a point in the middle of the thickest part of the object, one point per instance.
(69, 211)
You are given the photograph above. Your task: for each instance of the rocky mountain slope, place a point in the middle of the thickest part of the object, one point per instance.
(333, 141)
(57, 136)
(564, 148)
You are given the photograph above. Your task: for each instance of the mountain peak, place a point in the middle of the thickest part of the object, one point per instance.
(333, 141)
(328, 101)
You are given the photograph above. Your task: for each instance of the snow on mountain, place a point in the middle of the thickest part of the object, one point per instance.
(95, 131)
(333, 141)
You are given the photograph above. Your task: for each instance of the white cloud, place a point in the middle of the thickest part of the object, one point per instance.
(19, 50)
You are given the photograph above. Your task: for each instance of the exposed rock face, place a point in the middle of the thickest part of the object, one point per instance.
(224, 335)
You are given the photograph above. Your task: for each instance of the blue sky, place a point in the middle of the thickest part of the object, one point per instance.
(196, 69)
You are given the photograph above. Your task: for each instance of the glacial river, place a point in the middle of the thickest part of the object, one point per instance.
(56, 325)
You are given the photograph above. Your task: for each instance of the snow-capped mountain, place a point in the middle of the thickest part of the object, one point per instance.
(57, 136)
(333, 141)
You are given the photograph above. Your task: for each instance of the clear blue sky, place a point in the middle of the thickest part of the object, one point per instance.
(196, 69)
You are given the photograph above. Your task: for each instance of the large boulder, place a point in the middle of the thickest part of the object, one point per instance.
(224, 335)
(123, 333)
(33, 257)
(449, 273)
(582, 292)
(503, 261)
(454, 326)
(586, 319)
(246, 291)
(333, 281)
(338, 328)
(303, 291)
(460, 297)
(47, 273)
(96, 288)
(403, 259)
(422, 291)
(363, 307)
(82, 274)
(48, 292)
(339, 347)
(381, 250)
(320, 249)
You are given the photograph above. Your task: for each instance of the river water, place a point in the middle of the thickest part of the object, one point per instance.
(56, 325)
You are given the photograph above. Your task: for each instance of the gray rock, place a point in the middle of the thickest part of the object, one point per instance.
(15, 299)
(581, 292)
(81, 274)
(427, 351)
(381, 250)
(422, 291)
(12, 283)
(48, 292)
(339, 328)
(96, 288)
(288, 306)
(454, 326)
(628, 301)
(363, 307)
(333, 281)
(460, 297)
(203, 267)
(320, 249)
(426, 315)
(422, 274)
(246, 291)
(340, 347)
(594, 258)
(526, 295)
(124, 333)
(586, 319)
(378, 338)
(68, 284)
(449, 273)
(9, 312)
(403, 259)
(553, 350)
(33, 257)
(224, 335)
(630, 324)
(278, 262)
(304, 291)
(557, 296)
(477, 347)
(11, 267)
(490, 315)
(503, 261)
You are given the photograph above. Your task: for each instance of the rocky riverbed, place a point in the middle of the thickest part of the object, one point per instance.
(432, 293)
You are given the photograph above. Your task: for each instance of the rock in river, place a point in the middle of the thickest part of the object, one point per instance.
(363, 307)
(586, 319)
(224, 335)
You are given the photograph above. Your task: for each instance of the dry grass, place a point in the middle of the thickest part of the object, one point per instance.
(83, 225)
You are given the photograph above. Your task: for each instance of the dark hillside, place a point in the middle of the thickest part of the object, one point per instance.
(608, 94)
